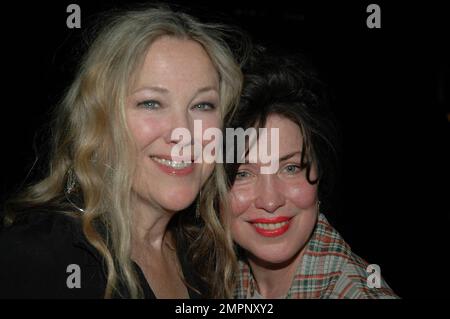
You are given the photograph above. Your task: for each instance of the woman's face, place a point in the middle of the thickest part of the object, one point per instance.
(273, 215)
(176, 85)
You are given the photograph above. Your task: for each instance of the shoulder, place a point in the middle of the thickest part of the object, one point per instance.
(36, 254)
(356, 282)
(39, 234)
(347, 271)
(39, 220)
(36, 232)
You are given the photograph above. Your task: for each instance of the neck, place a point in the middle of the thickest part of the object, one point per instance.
(149, 227)
(274, 280)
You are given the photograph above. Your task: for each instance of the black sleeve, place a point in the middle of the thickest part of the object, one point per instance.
(35, 255)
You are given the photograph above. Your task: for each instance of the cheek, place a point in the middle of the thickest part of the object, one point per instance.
(210, 121)
(211, 139)
(303, 195)
(144, 130)
(240, 201)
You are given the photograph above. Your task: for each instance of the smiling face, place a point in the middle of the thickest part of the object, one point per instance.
(176, 85)
(273, 215)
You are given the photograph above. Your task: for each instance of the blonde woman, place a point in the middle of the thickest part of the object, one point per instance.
(111, 218)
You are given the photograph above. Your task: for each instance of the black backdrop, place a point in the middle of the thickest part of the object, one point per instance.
(390, 93)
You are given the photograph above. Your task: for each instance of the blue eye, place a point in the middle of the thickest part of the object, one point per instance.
(204, 107)
(292, 169)
(242, 175)
(149, 104)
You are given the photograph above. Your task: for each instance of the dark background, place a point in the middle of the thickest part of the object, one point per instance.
(389, 90)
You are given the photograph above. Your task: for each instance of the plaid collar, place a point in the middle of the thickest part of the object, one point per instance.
(321, 266)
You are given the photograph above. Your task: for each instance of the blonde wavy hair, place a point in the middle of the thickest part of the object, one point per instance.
(90, 140)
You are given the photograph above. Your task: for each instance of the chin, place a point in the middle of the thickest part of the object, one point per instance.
(274, 259)
(177, 201)
(175, 208)
(276, 256)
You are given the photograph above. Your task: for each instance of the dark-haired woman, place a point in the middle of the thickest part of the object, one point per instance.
(288, 249)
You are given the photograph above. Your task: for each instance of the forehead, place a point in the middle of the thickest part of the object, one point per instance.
(172, 61)
(288, 141)
(290, 136)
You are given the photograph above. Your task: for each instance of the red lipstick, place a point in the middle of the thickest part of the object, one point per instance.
(271, 227)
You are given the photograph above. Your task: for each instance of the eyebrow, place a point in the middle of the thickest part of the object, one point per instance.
(288, 156)
(281, 159)
(165, 91)
(152, 88)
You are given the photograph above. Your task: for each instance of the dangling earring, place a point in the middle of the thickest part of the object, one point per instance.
(70, 187)
(70, 183)
(197, 206)
(318, 207)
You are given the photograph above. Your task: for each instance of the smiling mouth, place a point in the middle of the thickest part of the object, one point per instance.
(170, 163)
(272, 227)
(173, 168)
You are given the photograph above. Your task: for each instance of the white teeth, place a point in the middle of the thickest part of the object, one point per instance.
(270, 226)
(172, 164)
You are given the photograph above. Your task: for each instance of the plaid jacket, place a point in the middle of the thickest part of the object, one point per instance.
(329, 269)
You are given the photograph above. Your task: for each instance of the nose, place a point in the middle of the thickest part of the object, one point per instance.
(269, 196)
(180, 124)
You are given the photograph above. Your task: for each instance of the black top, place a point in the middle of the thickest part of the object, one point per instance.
(36, 253)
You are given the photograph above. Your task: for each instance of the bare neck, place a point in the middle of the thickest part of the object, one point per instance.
(149, 225)
(151, 237)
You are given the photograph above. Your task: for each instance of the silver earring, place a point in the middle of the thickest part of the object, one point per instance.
(70, 183)
(318, 206)
(197, 206)
(70, 187)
